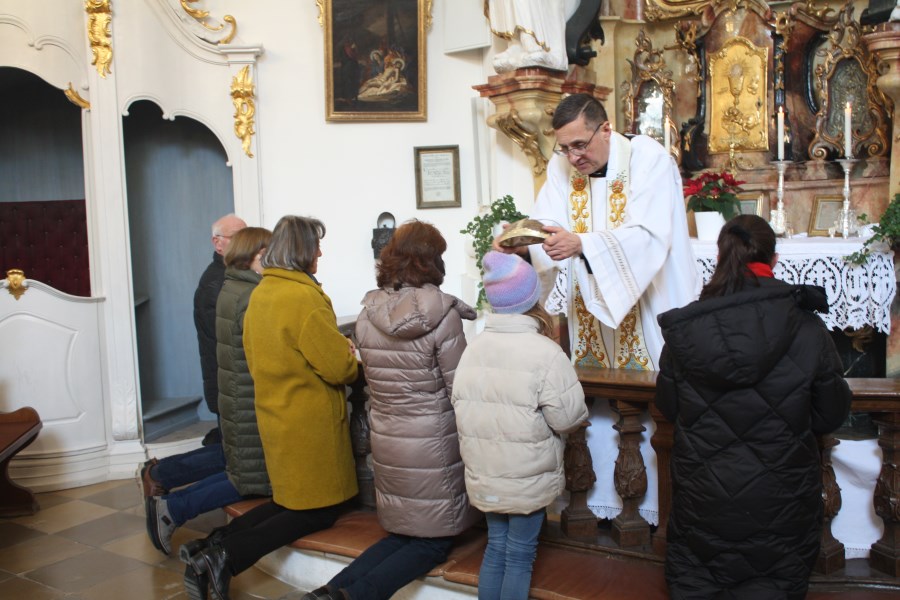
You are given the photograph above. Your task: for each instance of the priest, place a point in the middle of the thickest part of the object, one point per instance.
(617, 255)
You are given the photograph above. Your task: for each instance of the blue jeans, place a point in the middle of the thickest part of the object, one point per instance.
(389, 564)
(188, 467)
(508, 559)
(207, 494)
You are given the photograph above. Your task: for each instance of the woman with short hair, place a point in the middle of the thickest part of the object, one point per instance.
(300, 363)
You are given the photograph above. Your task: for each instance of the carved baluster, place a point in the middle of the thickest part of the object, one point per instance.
(885, 554)
(629, 528)
(576, 519)
(662, 442)
(831, 552)
(359, 439)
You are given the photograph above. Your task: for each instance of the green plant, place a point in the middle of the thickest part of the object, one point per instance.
(886, 231)
(481, 229)
(714, 192)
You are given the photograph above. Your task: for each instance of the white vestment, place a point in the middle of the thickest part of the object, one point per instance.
(645, 260)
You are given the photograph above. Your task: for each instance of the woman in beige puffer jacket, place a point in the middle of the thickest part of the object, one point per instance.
(410, 337)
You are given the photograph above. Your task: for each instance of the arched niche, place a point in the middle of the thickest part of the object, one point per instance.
(178, 183)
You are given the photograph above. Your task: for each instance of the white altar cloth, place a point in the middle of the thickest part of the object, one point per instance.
(857, 296)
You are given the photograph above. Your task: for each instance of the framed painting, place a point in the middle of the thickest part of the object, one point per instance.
(752, 203)
(437, 177)
(375, 60)
(825, 212)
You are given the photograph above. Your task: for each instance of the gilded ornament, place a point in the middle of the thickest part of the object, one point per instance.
(201, 16)
(75, 98)
(738, 113)
(848, 72)
(513, 127)
(99, 34)
(321, 18)
(15, 283)
(657, 10)
(242, 96)
(650, 83)
(428, 19)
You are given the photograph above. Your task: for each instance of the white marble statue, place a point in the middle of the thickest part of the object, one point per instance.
(535, 30)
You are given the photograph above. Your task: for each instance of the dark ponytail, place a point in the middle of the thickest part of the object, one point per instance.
(743, 239)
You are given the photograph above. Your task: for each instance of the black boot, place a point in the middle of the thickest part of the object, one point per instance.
(213, 562)
(195, 584)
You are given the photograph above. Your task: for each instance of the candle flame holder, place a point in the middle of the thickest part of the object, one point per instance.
(846, 222)
(777, 217)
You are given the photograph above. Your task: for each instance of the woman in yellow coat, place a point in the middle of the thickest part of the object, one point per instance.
(300, 364)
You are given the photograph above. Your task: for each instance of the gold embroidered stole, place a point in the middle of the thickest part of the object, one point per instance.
(628, 343)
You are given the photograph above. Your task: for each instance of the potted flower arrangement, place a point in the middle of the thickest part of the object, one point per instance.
(713, 198)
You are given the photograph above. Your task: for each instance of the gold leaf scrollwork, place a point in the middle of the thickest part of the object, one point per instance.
(15, 283)
(738, 109)
(99, 34)
(513, 127)
(321, 17)
(75, 98)
(837, 81)
(242, 96)
(428, 19)
(200, 15)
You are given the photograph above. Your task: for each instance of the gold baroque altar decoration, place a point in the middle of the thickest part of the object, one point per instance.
(242, 96)
(739, 106)
(845, 72)
(201, 16)
(99, 34)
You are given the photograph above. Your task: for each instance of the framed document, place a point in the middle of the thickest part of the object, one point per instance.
(437, 177)
(826, 210)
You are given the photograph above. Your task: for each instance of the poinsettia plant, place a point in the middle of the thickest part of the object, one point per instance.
(714, 192)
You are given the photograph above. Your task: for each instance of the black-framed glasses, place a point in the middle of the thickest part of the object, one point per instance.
(577, 149)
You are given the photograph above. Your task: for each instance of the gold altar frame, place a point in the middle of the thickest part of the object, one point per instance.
(737, 118)
(647, 69)
(657, 10)
(353, 48)
(844, 43)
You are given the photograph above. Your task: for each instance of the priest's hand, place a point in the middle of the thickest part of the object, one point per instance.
(561, 244)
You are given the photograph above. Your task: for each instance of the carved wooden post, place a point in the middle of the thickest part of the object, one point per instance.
(577, 520)
(885, 553)
(662, 442)
(831, 552)
(359, 439)
(629, 528)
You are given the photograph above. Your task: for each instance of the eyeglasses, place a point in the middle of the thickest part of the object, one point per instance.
(578, 148)
(219, 236)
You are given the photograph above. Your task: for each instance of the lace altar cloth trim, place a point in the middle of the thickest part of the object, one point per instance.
(857, 295)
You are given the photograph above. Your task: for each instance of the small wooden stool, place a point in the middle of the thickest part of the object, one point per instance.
(17, 429)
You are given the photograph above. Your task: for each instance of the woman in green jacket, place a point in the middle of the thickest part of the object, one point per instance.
(300, 363)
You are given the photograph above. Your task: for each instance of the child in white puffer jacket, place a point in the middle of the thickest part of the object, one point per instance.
(515, 393)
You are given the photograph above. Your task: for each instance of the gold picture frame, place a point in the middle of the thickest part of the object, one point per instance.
(752, 203)
(437, 177)
(375, 60)
(826, 210)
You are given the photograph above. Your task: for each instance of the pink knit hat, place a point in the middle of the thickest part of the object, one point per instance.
(510, 284)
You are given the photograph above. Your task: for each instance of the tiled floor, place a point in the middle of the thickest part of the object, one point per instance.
(90, 543)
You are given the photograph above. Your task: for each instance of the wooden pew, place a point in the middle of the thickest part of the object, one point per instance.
(17, 430)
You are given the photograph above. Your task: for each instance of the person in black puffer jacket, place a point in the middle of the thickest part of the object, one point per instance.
(749, 375)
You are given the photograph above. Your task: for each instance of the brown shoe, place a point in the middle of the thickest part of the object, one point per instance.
(150, 485)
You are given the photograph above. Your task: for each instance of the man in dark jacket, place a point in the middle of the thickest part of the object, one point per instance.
(205, 298)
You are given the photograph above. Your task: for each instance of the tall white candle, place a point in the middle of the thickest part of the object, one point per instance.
(848, 131)
(780, 133)
(667, 135)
